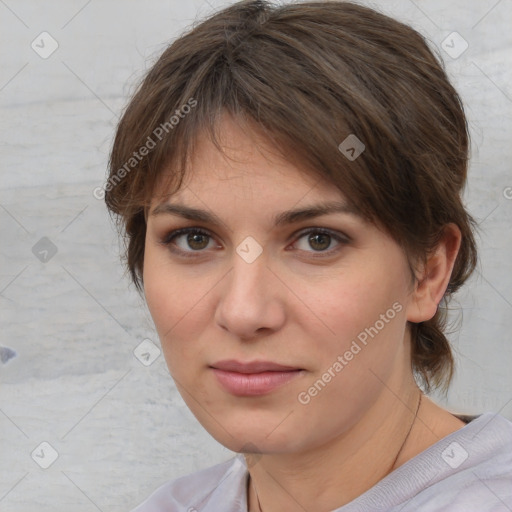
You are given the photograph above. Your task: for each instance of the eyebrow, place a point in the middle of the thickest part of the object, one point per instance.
(281, 219)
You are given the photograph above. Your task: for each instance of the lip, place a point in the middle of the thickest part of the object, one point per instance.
(232, 365)
(253, 378)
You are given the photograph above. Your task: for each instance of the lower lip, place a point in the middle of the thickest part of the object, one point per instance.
(253, 384)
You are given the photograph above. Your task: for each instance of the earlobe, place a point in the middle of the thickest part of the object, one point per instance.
(434, 276)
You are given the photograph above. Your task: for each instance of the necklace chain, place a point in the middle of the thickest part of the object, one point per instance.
(407, 436)
(392, 466)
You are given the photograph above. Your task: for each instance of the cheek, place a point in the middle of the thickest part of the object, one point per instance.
(164, 297)
(363, 320)
(178, 304)
(160, 293)
(364, 352)
(350, 302)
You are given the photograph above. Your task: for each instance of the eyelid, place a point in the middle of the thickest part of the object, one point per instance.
(185, 231)
(341, 237)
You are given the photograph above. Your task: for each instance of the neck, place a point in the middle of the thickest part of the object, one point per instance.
(332, 475)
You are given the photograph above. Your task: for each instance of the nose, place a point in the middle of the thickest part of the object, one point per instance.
(250, 303)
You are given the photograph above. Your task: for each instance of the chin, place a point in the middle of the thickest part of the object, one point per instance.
(245, 432)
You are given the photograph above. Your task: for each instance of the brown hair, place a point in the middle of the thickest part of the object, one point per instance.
(309, 75)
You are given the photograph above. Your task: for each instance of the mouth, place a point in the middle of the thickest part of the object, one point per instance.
(253, 378)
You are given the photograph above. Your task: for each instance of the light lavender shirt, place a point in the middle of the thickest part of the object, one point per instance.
(469, 470)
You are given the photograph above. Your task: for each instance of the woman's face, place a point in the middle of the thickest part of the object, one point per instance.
(281, 330)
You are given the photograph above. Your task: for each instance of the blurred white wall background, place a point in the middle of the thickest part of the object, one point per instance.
(117, 427)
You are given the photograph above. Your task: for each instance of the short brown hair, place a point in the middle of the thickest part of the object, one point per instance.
(309, 75)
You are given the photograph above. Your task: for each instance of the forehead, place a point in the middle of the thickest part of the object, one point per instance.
(247, 164)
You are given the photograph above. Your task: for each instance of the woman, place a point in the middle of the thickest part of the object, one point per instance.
(289, 180)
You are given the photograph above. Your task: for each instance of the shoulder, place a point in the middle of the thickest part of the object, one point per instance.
(470, 470)
(201, 490)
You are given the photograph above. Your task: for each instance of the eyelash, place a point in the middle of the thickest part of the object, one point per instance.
(167, 241)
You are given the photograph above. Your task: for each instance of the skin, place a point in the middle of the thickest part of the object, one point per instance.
(298, 304)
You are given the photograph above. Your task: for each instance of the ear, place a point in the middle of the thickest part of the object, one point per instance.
(434, 276)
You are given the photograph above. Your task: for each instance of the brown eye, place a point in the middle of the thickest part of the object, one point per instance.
(319, 241)
(188, 241)
(197, 241)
